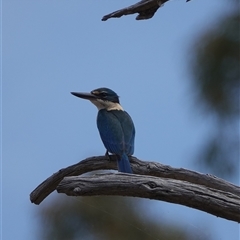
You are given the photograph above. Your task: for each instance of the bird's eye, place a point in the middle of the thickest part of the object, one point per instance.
(104, 94)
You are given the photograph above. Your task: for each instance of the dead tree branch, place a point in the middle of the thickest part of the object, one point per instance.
(177, 185)
(145, 9)
(216, 202)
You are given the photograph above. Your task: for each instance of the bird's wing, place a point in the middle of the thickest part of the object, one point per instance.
(128, 130)
(117, 131)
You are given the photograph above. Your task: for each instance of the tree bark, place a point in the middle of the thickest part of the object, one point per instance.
(150, 180)
(216, 202)
(145, 9)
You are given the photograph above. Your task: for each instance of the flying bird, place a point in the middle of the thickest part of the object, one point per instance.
(115, 126)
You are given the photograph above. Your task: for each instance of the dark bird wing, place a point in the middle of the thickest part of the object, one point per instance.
(117, 131)
(128, 130)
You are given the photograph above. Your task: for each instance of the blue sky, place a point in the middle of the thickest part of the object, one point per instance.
(50, 48)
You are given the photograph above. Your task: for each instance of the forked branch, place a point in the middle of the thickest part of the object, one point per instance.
(150, 180)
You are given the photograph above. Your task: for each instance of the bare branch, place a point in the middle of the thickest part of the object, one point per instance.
(216, 202)
(84, 166)
(145, 9)
(138, 166)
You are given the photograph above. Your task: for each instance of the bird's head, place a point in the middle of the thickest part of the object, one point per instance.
(102, 98)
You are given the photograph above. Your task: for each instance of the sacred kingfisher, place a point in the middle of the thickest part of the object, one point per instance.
(115, 126)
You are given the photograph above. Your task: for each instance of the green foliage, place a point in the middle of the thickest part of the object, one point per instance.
(216, 67)
(216, 80)
(104, 218)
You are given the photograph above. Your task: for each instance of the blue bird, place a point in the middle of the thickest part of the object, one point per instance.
(115, 126)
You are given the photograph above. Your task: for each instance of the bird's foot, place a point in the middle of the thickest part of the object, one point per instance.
(107, 155)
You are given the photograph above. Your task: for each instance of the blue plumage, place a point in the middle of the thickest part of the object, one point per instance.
(115, 126)
(117, 133)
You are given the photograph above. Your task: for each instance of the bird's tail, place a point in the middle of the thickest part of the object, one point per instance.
(124, 164)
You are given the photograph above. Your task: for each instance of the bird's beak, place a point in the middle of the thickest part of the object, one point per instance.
(87, 96)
